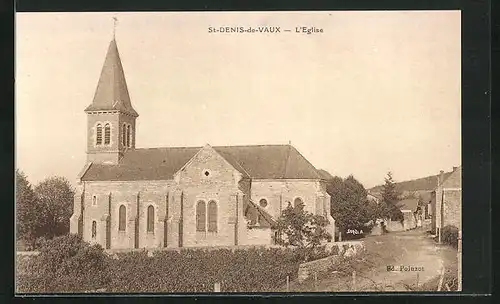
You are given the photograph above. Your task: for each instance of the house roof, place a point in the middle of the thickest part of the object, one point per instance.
(267, 217)
(256, 161)
(428, 183)
(372, 196)
(454, 180)
(112, 92)
(426, 196)
(408, 204)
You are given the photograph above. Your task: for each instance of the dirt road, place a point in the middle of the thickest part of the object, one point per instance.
(421, 261)
(413, 258)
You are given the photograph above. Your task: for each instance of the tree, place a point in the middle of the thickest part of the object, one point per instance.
(302, 229)
(29, 215)
(349, 204)
(390, 198)
(55, 195)
(67, 264)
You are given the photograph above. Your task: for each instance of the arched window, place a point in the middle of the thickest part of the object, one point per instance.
(94, 229)
(122, 212)
(124, 135)
(98, 135)
(298, 201)
(107, 134)
(128, 136)
(94, 200)
(151, 219)
(212, 216)
(200, 216)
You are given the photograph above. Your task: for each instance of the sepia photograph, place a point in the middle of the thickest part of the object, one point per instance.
(238, 152)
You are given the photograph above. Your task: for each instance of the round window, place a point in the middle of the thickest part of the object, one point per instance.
(263, 203)
(206, 173)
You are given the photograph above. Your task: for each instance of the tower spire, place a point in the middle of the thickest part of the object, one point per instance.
(112, 92)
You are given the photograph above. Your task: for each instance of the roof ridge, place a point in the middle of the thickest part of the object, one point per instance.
(250, 145)
(226, 146)
(259, 162)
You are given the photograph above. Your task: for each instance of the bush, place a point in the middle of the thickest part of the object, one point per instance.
(65, 264)
(449, 235)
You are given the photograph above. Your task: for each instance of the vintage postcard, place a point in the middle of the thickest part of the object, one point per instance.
(241, 152)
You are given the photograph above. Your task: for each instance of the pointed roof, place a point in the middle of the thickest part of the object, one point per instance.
(259, 162)
(112, 93)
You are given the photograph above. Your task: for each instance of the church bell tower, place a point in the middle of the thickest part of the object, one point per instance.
(111, 117)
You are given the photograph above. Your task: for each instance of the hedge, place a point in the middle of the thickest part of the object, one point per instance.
(69, 267)
(449, 235)
(198, 270)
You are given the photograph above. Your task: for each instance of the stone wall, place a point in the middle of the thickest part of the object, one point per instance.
(174, 202)
(209, 177)
(108, 153)
(279, 192)
(452, 208)
(439, 209)
(346, 249)
(256, 236)
(394, 226)
(409, 220)
(433, 211)
(136, 196)
(206, 177)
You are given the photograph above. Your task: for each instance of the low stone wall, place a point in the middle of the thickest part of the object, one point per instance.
(394, 226)
(345, 249)
(259, 236)
(309, 268)
(27, 253)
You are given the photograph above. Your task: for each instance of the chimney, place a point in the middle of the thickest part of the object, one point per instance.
(440, 177)
(454, 168)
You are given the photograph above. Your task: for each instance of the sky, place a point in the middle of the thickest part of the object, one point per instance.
(376, 91)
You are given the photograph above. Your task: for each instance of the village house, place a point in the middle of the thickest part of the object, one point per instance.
(446, 201)
(130, 197)
(408, 207)
(372, 198)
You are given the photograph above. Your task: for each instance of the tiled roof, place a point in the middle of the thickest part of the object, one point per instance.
(143, 164)
(112, 92)
(408, 204)
(454, 180)
(420, 184)
(270, 161)
(267, 217)
(261, 162)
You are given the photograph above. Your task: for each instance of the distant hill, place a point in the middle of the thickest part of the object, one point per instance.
(428, 183)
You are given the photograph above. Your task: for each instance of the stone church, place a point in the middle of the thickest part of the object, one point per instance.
(130, 197)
